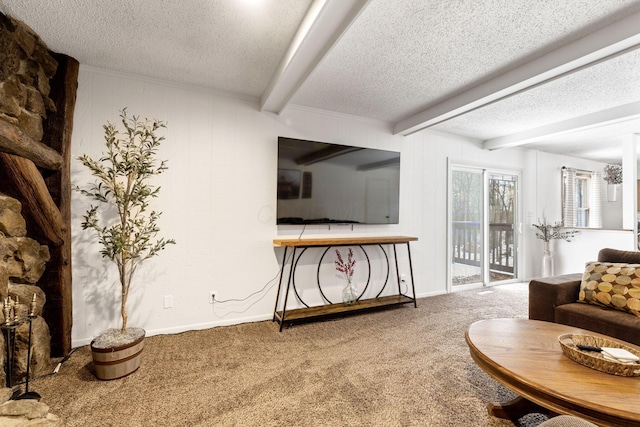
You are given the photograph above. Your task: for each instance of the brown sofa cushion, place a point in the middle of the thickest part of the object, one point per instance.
(547, 293)
(612, 285)
(613, 323)
(554, 299)
(616, 255)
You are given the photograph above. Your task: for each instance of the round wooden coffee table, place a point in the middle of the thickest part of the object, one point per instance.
(525, 356)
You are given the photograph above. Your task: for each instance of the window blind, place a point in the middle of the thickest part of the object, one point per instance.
(569, 214)
(595, 200)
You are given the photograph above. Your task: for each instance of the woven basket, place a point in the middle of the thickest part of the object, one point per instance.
(595, 360)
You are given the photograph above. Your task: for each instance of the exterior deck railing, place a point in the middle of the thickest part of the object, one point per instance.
(467, 245)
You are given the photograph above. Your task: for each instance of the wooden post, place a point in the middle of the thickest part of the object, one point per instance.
(57, 278)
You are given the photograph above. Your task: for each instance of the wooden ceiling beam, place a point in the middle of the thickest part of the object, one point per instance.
(576, 124)
(326, 21)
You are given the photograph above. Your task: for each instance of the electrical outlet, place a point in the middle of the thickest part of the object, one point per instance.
(168, 301)
(212, 297)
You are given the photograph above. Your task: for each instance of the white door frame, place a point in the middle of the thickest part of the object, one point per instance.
(486, 170)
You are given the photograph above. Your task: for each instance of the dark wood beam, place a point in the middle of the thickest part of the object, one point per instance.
(25, 179)
(14, 141)
(57, 279)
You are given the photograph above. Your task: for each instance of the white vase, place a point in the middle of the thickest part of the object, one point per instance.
(612, 192)
(547, 261)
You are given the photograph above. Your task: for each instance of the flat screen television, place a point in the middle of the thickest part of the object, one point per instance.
(323, 183)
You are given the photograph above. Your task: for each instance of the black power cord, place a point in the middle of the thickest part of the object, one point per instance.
(55, 370)
(267, 286)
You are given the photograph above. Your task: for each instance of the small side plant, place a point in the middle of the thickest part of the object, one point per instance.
(613, 174)
(347, 268)
(122, 183)
(546, 232)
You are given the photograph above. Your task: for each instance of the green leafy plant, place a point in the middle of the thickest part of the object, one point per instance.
(122, 182)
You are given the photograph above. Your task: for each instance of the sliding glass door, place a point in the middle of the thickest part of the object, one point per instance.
(502, 226)
(482, 229)
(467, 212)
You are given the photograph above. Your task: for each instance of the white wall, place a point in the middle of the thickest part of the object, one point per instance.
(549, 194)
(218, 200)
(543, 197)
(570, 257)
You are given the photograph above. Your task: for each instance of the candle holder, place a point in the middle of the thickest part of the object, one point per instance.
(11, 323)
(29, 394)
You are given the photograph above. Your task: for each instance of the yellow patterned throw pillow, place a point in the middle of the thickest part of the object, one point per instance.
(612, 285)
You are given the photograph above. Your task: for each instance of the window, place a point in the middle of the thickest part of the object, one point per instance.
(581, 198)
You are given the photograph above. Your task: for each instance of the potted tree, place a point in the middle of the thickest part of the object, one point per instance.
(126, 227)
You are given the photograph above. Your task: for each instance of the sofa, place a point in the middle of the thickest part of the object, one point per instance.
(556, 298)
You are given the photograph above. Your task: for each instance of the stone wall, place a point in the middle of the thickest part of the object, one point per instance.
(35, 143)
(25, 70)
(22, 262)
(25, 413)
(26, 67)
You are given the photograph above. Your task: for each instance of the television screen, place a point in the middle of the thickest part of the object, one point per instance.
(321, 183)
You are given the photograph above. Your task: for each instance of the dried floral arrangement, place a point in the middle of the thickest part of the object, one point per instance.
(348, 267)
(546, 232)
(613, 174)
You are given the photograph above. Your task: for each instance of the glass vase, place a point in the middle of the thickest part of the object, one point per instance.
(349, 294)
(547, 261)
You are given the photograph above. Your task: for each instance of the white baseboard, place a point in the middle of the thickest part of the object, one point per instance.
(228, 322)
(185, 328)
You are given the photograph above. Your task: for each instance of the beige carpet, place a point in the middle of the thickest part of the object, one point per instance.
(397, 367)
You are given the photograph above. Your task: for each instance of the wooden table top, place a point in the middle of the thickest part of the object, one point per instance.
(342, 241)
(525, 356)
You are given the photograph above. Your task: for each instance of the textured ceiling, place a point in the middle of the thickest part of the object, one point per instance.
(402, 56)
(390, 60)
(605, 85)
(227, 45)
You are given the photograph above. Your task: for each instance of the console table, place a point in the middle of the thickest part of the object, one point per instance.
(299, 246)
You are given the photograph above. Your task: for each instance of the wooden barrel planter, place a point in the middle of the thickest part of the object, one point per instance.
(117, 362)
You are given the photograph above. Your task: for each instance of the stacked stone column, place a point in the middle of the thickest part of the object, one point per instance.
(25, 69)
(22, 262)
